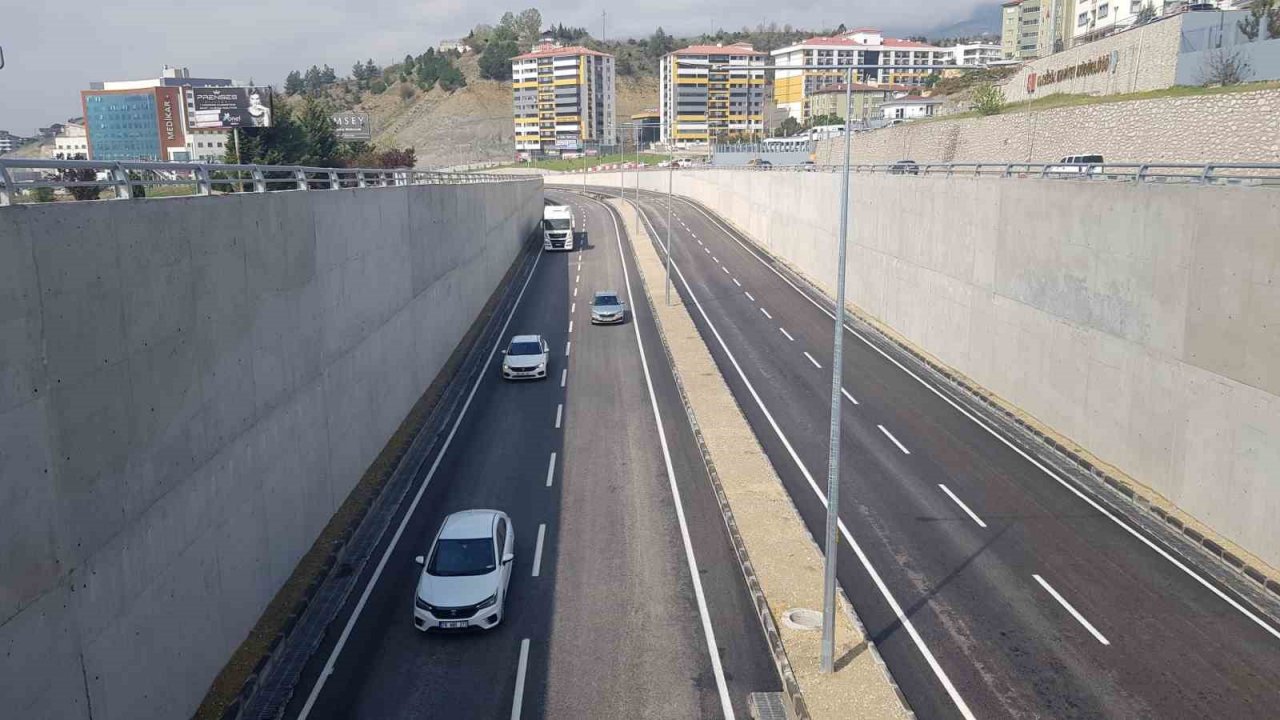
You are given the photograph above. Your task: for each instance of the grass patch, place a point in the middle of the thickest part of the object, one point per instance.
(1062, 100)
(579, 163)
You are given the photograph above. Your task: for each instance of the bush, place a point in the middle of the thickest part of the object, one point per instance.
(407, 92)
(988, 99)
(42, 195)
(377, 87)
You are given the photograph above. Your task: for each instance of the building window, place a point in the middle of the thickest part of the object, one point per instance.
(1103, 10)
(1135, 7)
(1082, 20)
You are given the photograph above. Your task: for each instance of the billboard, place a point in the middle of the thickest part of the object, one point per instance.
(352, 126)
(230, 107)
(169, 117)
(568, 142)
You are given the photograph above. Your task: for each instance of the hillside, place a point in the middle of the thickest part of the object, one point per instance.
(472, 124)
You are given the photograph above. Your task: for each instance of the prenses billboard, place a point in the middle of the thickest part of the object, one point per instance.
(230, 107)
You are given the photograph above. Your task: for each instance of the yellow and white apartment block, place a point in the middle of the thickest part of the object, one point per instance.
(564, 99)
(710, 93)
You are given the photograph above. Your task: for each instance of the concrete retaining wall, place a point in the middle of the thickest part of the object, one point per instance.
(1143, 322)
(189, 388)
(1246, 129)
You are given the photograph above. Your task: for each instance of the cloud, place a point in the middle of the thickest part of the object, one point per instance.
(63, 46)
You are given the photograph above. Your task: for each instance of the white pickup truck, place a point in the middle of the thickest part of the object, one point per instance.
(557, 227)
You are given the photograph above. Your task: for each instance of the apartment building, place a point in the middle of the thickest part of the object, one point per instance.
(1010, 26)
(976, 53)
(703, 98)
(864, 46)
(565, 100)
(1037, 28)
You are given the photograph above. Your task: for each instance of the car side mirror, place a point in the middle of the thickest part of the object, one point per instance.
(508, 557)
(504, 352)
(420, 560)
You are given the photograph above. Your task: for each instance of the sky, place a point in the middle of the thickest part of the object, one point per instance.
(55, 49)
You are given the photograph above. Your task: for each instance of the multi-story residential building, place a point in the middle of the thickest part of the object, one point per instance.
(703, 98)
(144, 119)
(1029, 29)
(976, 53)
(864, 100)
(1010, 26)
(1095, 18)
(1057, 20)
(565, 99)
(73, 141)
(10, 142)
(864, 46)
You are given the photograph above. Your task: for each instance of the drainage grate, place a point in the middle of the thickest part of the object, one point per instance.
(767, 706)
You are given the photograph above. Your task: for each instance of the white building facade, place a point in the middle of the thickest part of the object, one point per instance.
(976, 53)
(865, 46)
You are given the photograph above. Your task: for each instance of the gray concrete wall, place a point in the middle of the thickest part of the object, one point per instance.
(1143, 322)
(1246, 128)
(189, 388)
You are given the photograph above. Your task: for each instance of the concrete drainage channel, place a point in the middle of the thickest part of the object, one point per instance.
(271, 684)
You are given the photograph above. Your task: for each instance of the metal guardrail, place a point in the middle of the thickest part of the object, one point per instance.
(211, 179)
(1253, 174)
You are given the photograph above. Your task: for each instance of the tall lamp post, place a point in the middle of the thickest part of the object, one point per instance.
(837, 362)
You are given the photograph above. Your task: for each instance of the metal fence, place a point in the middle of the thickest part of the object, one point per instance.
(1253, 174)
(19, 177)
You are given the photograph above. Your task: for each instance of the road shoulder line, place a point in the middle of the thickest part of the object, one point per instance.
(762, 522)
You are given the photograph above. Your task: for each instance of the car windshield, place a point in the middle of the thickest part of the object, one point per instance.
(454, 558)
(524, 348)
(606, 300)
(557, 224)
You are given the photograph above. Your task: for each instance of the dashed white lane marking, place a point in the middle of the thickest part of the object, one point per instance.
(707, 249)
(964, 507)
(749, 296)
(847, 396)
(815, 362)
(725, 269)
(576, 278)
(1087, 626)
(693, 235)
(567, 345)
(551, 469)
(570, 326)
(559, 414)
(784, 332)
(564, 376)
(715, 259)
(575, 291)
(537, 550)
(572, 307)
(522, 667)
(889, 435)
(766, 313)
(735, 282)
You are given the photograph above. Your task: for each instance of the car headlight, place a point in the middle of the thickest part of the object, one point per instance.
(487, 602)
(418, 603)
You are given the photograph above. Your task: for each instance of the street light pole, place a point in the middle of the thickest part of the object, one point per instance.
(671, 173)
(837, 371)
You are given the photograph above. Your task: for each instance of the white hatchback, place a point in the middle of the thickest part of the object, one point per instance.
(465, 577)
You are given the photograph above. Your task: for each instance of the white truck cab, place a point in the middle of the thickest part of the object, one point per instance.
(557, 227)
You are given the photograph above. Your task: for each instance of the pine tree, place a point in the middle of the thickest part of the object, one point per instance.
(323, 149)
(293, 83)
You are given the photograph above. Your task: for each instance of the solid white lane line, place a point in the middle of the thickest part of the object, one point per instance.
(537, 550)
(889, 435)
(766, 313)
(522, 667)
(784, 332)
(551, 469)
(964, 507)
(1087, 625)
(570, 326)
(559, 413)
(567, 344)
(735, 282)
(413, 506)
(564, 375)
(726, 705)
(815, 362)
(847, 396)
(893, 603)
(1005, 441)
(749, 296)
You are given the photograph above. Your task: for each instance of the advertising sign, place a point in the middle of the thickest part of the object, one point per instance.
(568, 142)
(350, 126)
(169, 117)
(230, 107)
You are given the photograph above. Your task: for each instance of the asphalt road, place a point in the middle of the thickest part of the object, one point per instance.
(991, 588)
(613, 624)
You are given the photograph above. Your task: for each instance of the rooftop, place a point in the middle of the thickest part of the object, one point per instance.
(861, 87)
(734, 49)
(552, 52)
(912, 100)
(468, 524)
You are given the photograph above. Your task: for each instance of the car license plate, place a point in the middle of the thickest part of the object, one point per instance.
(453, 624)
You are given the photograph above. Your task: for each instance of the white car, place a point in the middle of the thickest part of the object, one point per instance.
(465, 577)
(607, 308)
(526, 358)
